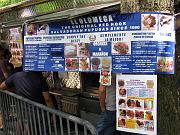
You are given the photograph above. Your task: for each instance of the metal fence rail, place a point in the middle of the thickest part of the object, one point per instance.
(25, 117)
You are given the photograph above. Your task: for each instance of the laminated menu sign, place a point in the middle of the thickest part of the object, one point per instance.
(105, 78)
(136, 103)
(16, 47)
(123, 43)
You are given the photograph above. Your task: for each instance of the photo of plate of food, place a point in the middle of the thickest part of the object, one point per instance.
(122, 103)
(120, 48)
(148, 104)
(84, 64)
(70, 50)
(130, 114)
(106, 63)
(105, 78)
(149, 115)
(122, 122)
(95, 63)
(31, 29)
(131, 103)
(165, 64)
(149, 125)
(150, 84)
(139, 114)
(122, 91)
(161, 64)
(122, 112)
(139, 104)
(169, 64)
(83, 49)
(149, 21)
(121, 83)
(71, 64)
(139, 124)
(166, 23)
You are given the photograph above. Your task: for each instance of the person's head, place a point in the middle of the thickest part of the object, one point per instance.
(7, 54)
(18, 69)
(39, 73)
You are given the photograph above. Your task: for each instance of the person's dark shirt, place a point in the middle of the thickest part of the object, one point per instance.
(2, 66)
(29, 85)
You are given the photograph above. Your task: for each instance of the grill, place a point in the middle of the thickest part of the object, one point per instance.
(70, 105)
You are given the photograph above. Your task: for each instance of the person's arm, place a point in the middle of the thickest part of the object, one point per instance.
(3, 86)
(49, 103)
(48, 99)
(102, 97)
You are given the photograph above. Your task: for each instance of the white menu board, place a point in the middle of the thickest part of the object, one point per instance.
(136, 103)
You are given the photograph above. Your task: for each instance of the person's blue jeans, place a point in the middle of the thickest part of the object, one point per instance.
(106, 124)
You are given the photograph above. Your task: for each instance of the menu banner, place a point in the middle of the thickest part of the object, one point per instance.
(124, 43)
(136, 103)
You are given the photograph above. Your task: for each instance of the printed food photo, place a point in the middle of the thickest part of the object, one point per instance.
(121, 83)
(120, 48)
(95, 63)
(131, 103)
(122, 103)
(70, 50)
(149, 115)
(160, 64)
(122, 112)
(149, 125)
(150, 83)
(122, 91)
(31, 29)
(84, 64)
(122, 122)
(149, 22)
(139, 124)
(83, 49)
(139, 104)
(130, 114)
(139, 114)
(71, 64)
(165, 64)
(106, 63)
(148, 104)
(105, 78)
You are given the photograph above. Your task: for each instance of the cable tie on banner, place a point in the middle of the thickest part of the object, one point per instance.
(24, 23)
(177, 14)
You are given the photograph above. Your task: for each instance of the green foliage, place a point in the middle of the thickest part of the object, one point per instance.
(4, 3)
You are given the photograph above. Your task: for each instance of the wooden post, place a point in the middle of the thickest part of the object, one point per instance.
(168, 113)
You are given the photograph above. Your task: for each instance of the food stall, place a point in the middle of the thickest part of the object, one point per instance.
(76, 92)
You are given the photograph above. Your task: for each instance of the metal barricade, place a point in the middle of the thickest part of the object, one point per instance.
(25, 117)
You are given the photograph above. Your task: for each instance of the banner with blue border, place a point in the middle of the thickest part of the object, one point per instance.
(124, 43)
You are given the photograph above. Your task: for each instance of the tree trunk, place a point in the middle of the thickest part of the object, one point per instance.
(163, 6)
(168, 113)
